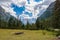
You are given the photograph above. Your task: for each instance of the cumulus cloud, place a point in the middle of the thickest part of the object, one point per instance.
(6, 4)
(47, 2)
(34, 7)
(5, 0)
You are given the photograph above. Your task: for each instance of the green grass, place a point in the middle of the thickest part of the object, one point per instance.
(8, 34)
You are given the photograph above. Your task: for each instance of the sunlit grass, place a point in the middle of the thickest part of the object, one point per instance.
(8, 34)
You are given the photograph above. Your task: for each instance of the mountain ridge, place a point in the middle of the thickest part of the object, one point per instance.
(48, 12)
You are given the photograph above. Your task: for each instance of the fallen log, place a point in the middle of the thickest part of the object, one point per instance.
(19, 33)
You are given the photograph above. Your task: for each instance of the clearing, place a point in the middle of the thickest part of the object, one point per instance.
(8, 34)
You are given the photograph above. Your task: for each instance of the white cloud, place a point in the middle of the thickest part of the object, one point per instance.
(33, 7)
(5, 0)
(47, 2)
(19, 2)
(24, 16)
(7, 8)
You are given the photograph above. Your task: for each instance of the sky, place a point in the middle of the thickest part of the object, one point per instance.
(25, 9)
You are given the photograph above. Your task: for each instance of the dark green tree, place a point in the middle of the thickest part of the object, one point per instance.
(28, 25)
(56, 15)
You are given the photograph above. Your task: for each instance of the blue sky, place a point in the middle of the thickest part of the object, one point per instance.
(25, 8)
(34, 1)
(28, 1)
(37, 0)
(18, 10)
(27, 13)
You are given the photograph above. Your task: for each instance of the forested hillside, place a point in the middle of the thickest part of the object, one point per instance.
(56, 15)
(50, 19)
(8, 21)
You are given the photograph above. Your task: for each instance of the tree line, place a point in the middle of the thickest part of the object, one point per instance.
(52, 22)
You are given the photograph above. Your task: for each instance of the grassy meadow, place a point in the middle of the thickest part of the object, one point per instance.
(8, 34)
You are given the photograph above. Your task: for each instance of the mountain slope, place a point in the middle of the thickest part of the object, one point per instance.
(4, 15)
(48, 12)
(56, 15)
(8, 21)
